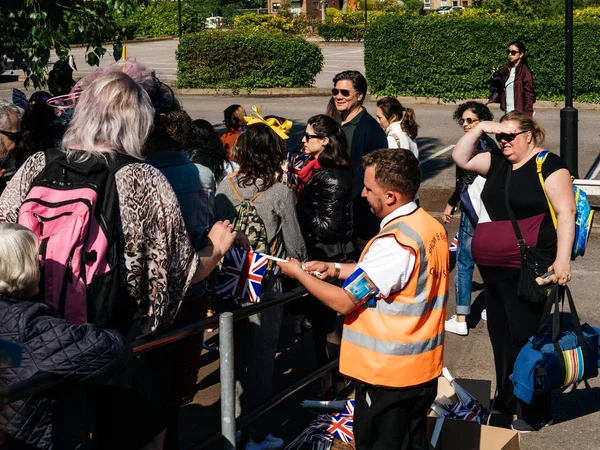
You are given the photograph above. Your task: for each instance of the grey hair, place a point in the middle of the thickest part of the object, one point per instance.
(19, 268)
(7, 110)
(114, 114)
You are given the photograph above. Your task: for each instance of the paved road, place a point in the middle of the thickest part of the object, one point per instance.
(577, 411)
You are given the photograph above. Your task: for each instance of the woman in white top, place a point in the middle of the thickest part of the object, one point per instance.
(399, 124)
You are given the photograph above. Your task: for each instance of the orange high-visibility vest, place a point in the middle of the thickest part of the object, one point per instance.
(399, 342)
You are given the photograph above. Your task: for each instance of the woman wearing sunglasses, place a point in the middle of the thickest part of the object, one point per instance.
(325, 217)
(467, 115)
(514, 81)
(513, 172)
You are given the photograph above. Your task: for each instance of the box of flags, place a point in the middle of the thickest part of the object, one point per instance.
(458, 417)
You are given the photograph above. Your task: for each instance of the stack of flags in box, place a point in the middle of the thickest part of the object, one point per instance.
(326, 427)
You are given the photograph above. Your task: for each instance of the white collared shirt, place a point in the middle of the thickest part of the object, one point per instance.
(387, 263)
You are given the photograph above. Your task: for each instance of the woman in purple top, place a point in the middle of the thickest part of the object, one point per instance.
(511, 319)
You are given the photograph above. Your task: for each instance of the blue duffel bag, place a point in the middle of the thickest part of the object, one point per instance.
(559, 354)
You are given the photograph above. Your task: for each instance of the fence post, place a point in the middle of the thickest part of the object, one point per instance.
(227, 380)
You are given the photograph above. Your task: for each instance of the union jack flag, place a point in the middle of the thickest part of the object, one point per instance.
(349, 408)
(241, 275)
(294, 162)
(340, 426)
(454, 244)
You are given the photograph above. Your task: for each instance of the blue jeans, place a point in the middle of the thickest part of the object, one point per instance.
(464, 267)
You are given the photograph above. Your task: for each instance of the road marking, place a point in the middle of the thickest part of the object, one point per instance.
(435, 155)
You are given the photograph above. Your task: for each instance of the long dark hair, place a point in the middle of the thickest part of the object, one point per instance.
(390, 106)
(335, 154)
(204, 147)
(259, 152)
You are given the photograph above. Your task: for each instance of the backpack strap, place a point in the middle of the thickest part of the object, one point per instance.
(539, 161)
(238, 195)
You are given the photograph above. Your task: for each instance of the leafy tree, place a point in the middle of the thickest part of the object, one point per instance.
(30, 30)
(533, 9)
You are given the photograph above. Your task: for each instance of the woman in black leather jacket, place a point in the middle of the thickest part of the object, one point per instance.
(324, 212)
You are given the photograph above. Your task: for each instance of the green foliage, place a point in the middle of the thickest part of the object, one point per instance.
(161, 18)
(31, 30)
(283, 23)
(239, 60)
(350, 17)
(341, 32)
(401, 58)
(532, 9)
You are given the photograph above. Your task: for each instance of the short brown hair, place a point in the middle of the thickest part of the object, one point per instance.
(396, 170)
(526, 123)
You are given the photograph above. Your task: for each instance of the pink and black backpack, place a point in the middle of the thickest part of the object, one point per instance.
(73, 209)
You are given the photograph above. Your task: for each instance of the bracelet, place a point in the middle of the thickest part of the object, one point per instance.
(338, 270)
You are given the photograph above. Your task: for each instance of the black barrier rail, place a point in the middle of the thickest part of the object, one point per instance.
(44, 381)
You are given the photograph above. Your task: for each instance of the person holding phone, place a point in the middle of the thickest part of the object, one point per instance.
(514, 81)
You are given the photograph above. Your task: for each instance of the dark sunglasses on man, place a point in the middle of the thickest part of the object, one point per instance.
(508, 137)
(344, 92)
(15, 137)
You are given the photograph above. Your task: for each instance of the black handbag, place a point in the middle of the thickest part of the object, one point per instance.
(534, 261)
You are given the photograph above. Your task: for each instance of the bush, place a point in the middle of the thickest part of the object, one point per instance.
(341, 32)
(272, 23)
(351, 17)
(238, 60)
(161, 19)
(451, 57)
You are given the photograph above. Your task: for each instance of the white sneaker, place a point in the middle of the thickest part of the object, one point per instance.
(455, 327)
(270, 443)
(484, 315)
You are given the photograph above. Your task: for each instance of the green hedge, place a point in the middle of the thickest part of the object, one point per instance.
(452, 57)
(341, 32)
(268, 22)
(238, 60)
(161, 19)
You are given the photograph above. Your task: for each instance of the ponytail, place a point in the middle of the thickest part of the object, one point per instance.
(409, 123)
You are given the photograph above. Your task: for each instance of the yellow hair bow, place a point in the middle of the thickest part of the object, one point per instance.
(282, 129)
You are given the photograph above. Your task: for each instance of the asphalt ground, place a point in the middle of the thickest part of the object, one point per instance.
(576, 410)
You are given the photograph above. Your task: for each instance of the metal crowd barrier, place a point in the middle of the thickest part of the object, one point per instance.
(229, 424)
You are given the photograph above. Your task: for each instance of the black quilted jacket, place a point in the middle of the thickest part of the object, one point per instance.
(325, 207)
(56, 419)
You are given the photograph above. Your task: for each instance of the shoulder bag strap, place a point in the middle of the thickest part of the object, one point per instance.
(539, 161)
(235, 191)
(511, 214)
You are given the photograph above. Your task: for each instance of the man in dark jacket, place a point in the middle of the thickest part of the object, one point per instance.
(364, 135)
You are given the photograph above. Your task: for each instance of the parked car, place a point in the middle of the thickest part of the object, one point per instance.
(444, 9)
(214, 22)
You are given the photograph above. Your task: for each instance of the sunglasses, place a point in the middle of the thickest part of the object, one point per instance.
(308, 137)
(512, 52)
(509, 137)
(344, 92)
(15, 137)
(468, 121)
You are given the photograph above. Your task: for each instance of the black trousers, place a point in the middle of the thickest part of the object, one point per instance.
(511, 321)
(389, 419)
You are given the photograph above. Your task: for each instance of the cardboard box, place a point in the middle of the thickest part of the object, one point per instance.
(462, 435)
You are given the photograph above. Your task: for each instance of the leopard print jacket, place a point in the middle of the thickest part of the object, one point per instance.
(159, 260)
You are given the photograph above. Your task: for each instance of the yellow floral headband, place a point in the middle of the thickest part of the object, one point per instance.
(282, 129)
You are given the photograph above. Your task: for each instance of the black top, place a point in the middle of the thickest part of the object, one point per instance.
(325, 211)
(464, 177)
(495, 243)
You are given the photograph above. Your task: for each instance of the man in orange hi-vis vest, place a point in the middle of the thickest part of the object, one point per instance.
(394, 300)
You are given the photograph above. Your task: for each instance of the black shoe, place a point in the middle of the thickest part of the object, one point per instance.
(523, 427)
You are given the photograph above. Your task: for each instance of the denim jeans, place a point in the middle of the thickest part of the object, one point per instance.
(464, 267)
